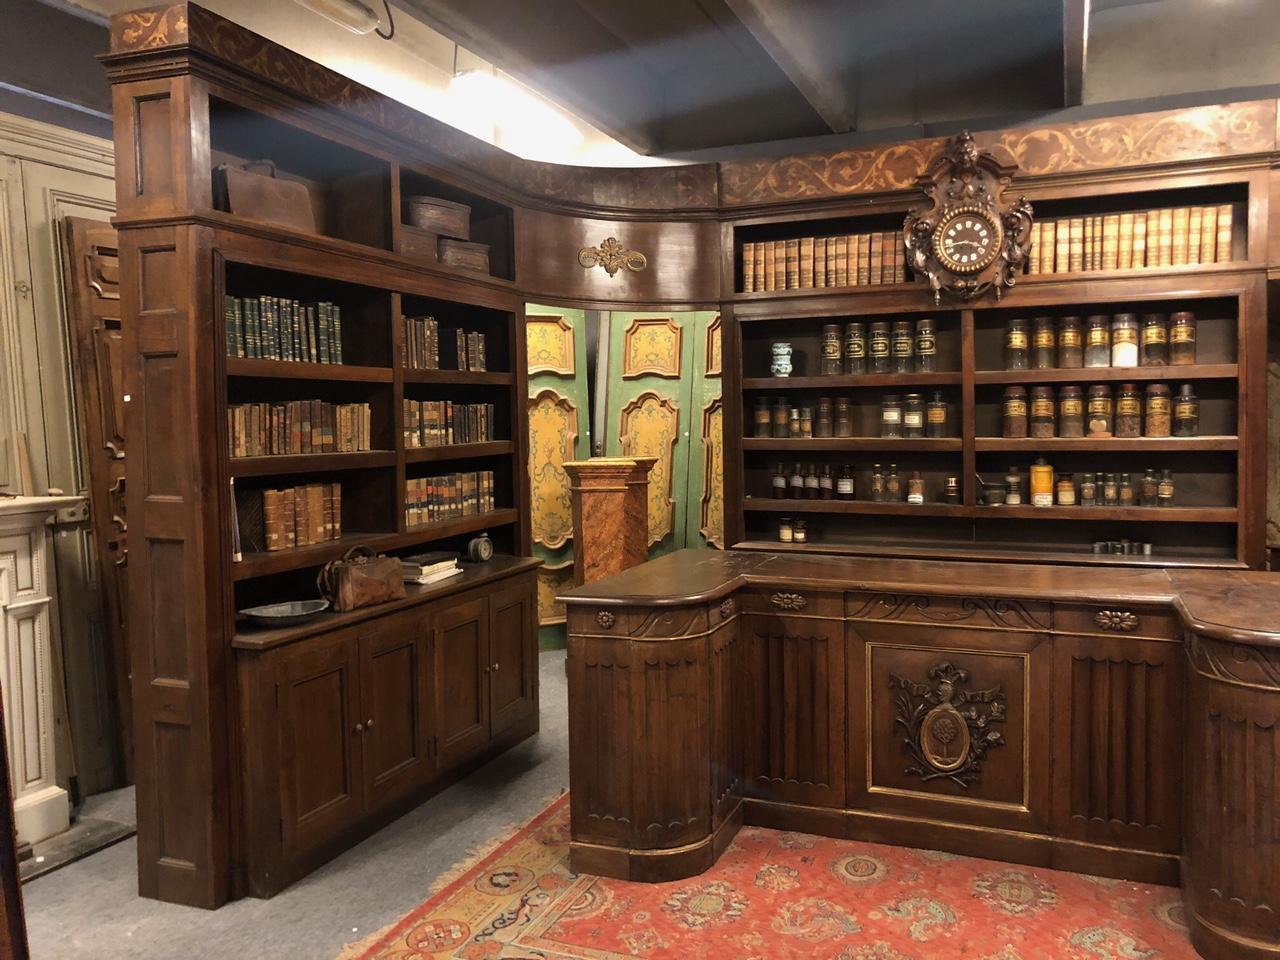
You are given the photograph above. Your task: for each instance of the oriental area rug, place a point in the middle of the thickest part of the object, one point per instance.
(777, 896)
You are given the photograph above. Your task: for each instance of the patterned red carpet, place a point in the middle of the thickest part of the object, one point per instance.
(775, 896)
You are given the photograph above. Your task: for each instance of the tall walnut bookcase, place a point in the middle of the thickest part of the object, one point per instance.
(261, 753)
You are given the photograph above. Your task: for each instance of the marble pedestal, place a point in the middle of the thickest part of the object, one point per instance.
(610, 515)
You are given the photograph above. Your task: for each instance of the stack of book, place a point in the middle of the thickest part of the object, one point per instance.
(448, 497)
(277, 328)
(437, 423)
(850, 260)
(422, 340)
(297, 426)
(426, 568)
(297, 516)
(1168, 237)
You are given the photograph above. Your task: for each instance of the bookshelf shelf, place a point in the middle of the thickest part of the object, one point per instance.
(458, 451)
(853, 381)
(459, 377)
(310, 463)
(299, 370)
(869, 507)
(1137, 444)
(1202, 371)
(451, 528)
(796, 446)
(874, 507)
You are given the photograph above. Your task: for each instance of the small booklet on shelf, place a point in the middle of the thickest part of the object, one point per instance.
(431, 567)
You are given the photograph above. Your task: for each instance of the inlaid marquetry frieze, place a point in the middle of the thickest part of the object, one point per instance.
(651, 346)
(549, 345)
(149, 29)
(553, 430)
(649, 428)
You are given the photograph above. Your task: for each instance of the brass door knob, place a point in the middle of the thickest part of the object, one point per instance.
(359, 728)
(495, 667)
(368, 724)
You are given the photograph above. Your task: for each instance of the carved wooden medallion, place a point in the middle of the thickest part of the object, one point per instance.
(1122, 621)
(612, 257)
(969, 240)
(788, 601)
(947, 729)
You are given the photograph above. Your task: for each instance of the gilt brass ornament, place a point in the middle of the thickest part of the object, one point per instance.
(612, 257)
(947, 729)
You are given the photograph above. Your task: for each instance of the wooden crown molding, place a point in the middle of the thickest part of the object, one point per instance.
(46, 143)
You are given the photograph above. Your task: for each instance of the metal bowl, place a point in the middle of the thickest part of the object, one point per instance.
(286, 614)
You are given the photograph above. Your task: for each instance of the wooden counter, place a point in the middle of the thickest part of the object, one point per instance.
(1037, 714)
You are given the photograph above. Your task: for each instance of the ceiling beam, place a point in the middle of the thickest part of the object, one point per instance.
(1075, 45)
(809, 63)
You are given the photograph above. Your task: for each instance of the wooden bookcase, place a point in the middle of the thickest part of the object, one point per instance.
(1219, 474)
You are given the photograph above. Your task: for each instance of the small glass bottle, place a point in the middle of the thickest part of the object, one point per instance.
(915, 488)
(806, 422)
(822, 421)
(1110, 490)
(1124, 340)
(893, 485)
(1042, 412)
(1182, 339)
(1016, 353)
(762, 418)
(778, 485)
(926, 346)
(890, 415)
(903, 346)
(878, 347)
(786, 532)
(1097, 341)
(936, 416)
(1041, 483)
(1066, 490)
(801, 530)
(1164, 492)
(1186, 412)
(1014, 419)
(844, 484)
(1128, 418)
(795, 483)
(913, 415)
(1070, 343)
(952, 492)
(1088, 490)
(1013, 488)
(877, 484)
(1098, 413)
(855, 347)
(1155, 340)
(844, 418)
(1150, 495)
(812, 486)
(1159, 411)
(1125, 492)
(832, 362)
(781, 418)
(1043, 344)
(793, 424)
(1071, 412)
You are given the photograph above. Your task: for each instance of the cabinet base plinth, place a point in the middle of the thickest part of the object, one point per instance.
(1215, 943)
(654, 866)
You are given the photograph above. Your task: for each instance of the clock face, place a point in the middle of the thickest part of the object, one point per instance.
(967, 239)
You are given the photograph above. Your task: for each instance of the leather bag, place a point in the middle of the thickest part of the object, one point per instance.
(264, 196)
(361, 579)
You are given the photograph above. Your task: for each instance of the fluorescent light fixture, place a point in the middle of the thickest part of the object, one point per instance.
(523, 123)
(351, 14)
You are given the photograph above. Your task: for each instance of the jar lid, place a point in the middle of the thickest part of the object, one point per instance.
(1099, 318)
(1099, 390)
(1182, 316)
(1015, 391)
(1157, 388)
(1125, 318)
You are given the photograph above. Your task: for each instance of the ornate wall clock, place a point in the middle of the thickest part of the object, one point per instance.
(969, 239)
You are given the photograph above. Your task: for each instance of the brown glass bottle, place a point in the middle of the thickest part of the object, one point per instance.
(762, 418)
(913, 415)
(1070, 343)
(827, 483)
(1099, 412)
(795, 483)
(1186, 412)
(877, 484)
(1155, 340)
(1159, 411)
(823, 424)
(1015, 413)
(845, 484)
(1071, 412)
(1128, 418)
(781, 418)
(812, 487)
(1182, 339)
(1042, 412)
(893, 485)
(1016, 345)
(778, 484)
(844, 418)
(1043, 344)
(936, 416)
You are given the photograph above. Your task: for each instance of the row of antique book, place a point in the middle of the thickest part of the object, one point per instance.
(277, 328)
(438, 423)
(422, 346)
(843, 261)
(296, 427)
(298, 516)
(448, 497)
(1167, 237)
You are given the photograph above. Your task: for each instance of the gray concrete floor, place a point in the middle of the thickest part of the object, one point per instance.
(91, 908)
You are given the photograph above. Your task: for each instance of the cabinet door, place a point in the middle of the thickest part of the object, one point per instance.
(320, 745)
(513, 658)
(394, 691)
(461, 680)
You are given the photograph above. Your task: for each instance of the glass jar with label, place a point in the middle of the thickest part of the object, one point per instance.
(806, 422)
(812, 486)
(893, 485)
(1110, 490)
(1043, 344)
(855, 347)
(1159, 411)
(936, 416)
(823, 424)
(795, 483)
(801, 530)
(832, 363)
(1071, 412)
(1042, 412)
(926, 346)
(1155, 340)
(793, 424)
(778, 483)
(1088, 490)
(1128, 419)
(1016, 352)
(1186, 412)
(915, 488)
(1070, 343)
(877, 484)
(903, 346)
(1066, 490)
(878, 347)
(1182, 339)
(1126, 493)
(762, 418)
(913, 415)
(1041, 483)
(1124, 340)
(844, 484)
(1165, 489)
(844, 418)
(890, 415)
(952, 492)
(1149, 492)
(781, 418)
(1097, 341)
(1098, 412)
(1015, 413)
(1013, 488)
(786, 533)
